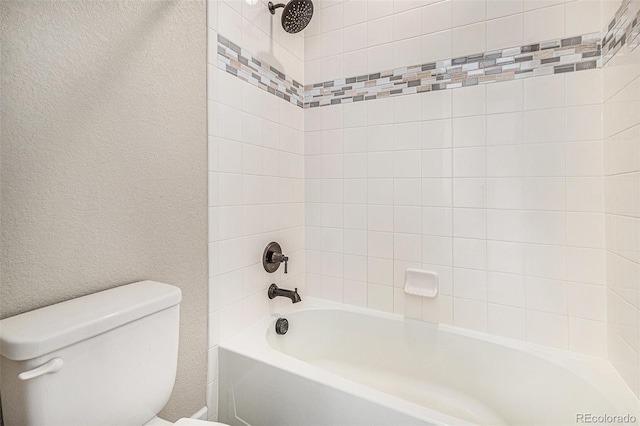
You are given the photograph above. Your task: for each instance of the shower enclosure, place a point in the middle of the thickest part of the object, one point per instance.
(495, 143)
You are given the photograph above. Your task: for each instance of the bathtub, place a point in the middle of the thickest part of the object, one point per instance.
(343, 365)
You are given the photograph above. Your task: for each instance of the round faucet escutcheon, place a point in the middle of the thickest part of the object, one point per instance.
(282, 326)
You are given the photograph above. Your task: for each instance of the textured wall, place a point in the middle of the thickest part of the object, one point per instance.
(103, 173)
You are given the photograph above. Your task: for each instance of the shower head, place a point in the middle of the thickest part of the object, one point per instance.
(295, 16)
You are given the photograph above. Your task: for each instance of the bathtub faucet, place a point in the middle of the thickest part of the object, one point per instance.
(274, 292)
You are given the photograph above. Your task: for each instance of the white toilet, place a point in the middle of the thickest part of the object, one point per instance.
(108, 358)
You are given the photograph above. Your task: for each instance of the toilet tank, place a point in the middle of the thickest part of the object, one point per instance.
(108, 358)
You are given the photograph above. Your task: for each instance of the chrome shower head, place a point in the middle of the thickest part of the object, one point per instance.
(295, 16)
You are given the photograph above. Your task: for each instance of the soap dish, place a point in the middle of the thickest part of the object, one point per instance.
(421, 283)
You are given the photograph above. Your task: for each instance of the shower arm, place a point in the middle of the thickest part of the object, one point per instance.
(273, 7)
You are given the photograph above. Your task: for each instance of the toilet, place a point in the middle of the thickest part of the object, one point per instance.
(106, 359)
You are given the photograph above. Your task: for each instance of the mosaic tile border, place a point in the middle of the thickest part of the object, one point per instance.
(571, 54)
(623, 29)
(241, 63)
(551, 57)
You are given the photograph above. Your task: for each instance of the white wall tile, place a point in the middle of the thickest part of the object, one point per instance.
(407, 192)
(354, 63)
(469, 162)
(435, 46)
(505, 32)
(331, 18)
(505, 97)
(469, 101)
(469, 253)
(470, 314)
(504, 129)
(544, 24)
(436, 134)
(506, 225)
(588, 337)
(379, 9)
(584, 88)
(436, 17)
(505, 257)
(587, 301)
(355, 293)
(506, 289)
(437, 221)
(407, 247)
(544, 92)
(355, 37)
(499, 8)
(437, 250)
(380, 31)
(505, 193)
(355, 12)
(507, 321)
(469, 39)
(407, 219)
(582, 17)
(547, 329)
(470, 284)
(496, 187)
(505, 160)
(469, 131)
(406, 25)
(466, 12)
(545, 261)
(406, 52)
(380, 297)
(469, 192)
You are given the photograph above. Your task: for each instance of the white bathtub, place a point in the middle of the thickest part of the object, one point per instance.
(342, 365)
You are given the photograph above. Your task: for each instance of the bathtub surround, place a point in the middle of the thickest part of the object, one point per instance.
(499, 188)
(256, 168)
(104, 160)
(496, 187)
(575, 53)
(621, 107)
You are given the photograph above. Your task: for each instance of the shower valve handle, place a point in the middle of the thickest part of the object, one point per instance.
(280, 258)
(273, 257)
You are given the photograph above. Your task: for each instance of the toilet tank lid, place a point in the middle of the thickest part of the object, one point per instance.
(47, 329)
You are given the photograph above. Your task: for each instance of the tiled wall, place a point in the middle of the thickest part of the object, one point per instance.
(359, 37)
(498, 187)
(559, 56)
(256, 171)
(622, 208)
